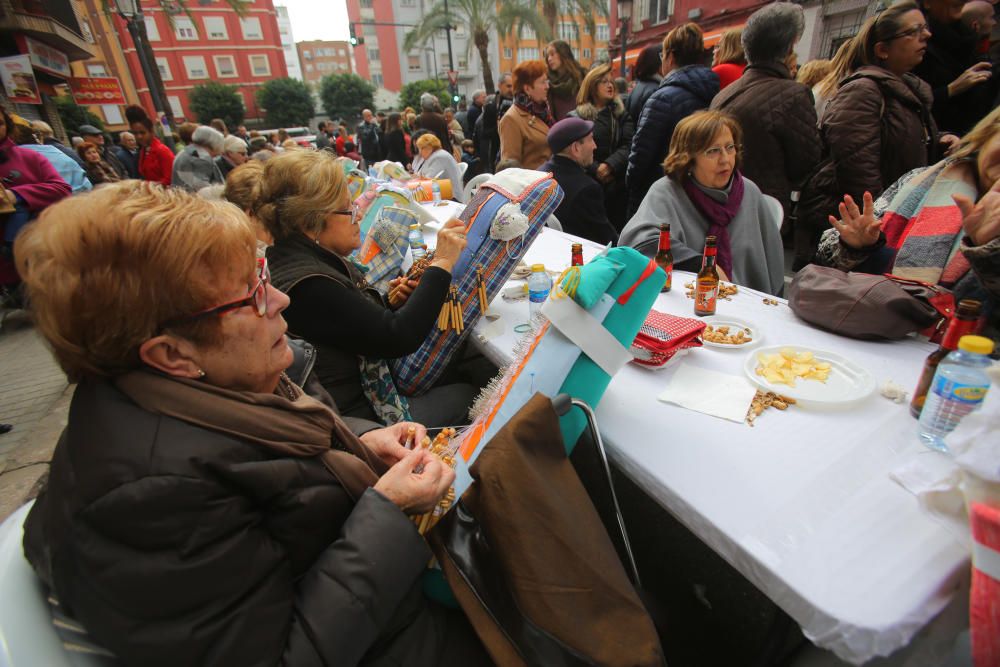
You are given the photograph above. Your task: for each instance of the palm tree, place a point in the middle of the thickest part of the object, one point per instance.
(552, 9)
(481, 18)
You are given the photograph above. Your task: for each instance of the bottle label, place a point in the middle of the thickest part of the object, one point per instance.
(704, 299)
(664, 242)
(956, 330)
(967, 394)
(538, 296)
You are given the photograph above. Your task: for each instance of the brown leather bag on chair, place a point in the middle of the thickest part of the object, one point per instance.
(530, 563)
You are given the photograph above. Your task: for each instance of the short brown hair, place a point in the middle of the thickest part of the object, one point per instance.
(243, 184)
(814, 71)
(527, 72)
(297, 192)
(105, 269)
(185, 130)
(687, 44)
(693, 135)
(81, 149)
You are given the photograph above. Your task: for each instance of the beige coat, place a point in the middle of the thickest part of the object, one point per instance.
(523, 138)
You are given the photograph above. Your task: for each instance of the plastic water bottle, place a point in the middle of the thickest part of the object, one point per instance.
(958, 388)
(416, 239)
(435, 191)
(539, 284)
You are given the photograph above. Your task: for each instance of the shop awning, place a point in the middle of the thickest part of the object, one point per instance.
(714, 35)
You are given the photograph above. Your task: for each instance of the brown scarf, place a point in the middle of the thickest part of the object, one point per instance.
(288, 422)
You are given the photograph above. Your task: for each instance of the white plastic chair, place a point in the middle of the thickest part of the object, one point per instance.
(27, 635)
(554, 223)
(462, 168)
(473, 185)
(774, 208)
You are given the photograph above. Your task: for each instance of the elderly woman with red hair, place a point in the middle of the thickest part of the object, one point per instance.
(524, 129)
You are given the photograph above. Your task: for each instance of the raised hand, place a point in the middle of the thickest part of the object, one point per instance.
(981, 221)
(450, 244)
(858, 227)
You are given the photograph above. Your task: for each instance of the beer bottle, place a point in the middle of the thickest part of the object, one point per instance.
(706, 286)
(664, 257)
(965, 322)
(576, 255)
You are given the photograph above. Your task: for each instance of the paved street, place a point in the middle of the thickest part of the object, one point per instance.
(34, 397)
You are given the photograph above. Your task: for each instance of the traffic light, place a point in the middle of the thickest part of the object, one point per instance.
(355, 40)
(455, 98)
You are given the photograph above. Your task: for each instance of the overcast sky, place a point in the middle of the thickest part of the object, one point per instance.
(317, 19)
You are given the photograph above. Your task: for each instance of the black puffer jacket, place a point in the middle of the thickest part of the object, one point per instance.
(639, 96)
(680, 94)
(781, 144)
(177, 545)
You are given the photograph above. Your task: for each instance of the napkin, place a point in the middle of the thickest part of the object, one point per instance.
(710, 392)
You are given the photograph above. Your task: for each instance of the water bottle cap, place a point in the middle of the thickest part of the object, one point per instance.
(537, 268)
(975, 344)
(415, 226)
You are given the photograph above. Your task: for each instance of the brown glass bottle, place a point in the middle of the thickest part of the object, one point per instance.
(576, 255)
(664, 257)
(706, 286)
(965, 322)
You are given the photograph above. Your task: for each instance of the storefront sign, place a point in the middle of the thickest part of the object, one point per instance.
(97, 90)
(19, 80)
(44, 57)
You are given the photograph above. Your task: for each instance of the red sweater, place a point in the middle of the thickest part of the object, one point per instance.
(156, 163)
(728, 72)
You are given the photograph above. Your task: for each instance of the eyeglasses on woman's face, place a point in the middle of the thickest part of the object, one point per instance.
(256, 298)
(913, 32)
(716, 152)
(354, 213)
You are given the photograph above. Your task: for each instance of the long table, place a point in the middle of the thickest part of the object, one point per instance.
(801, 504)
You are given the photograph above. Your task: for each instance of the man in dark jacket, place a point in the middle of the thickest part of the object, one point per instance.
(433, 120)
(581, 211)
(475, 110)
(127, 151)
(486, 133)
(688, 87)
(963, 86)
(781, 143)
(369, 138)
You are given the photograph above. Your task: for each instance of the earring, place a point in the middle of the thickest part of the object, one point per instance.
(201, 374)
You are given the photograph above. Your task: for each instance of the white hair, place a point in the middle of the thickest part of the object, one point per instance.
(233, 144)
(208, 137)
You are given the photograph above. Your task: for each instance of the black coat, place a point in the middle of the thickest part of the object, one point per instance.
(488, 132)
(950, 51)
(681, 93)
(639, 96)
(581, 211)
(613, 130)
(173, 544)
(129, 160)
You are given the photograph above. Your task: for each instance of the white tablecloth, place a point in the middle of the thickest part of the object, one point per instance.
(801, 504)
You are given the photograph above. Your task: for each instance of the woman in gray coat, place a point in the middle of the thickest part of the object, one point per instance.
(195, 167)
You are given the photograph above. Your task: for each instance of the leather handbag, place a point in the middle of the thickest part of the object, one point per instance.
(869, 306)
(530, 562)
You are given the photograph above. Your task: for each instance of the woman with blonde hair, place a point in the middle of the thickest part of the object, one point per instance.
(565, 77)
(524, 128)
(704, 194)
(432, 161)
(242, 189)
(304, 203)
(728, 60)
(600, 103)
(814, 71)
(841, 65)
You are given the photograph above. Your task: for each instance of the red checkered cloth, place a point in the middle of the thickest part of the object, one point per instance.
(662, 336)
(984, 598)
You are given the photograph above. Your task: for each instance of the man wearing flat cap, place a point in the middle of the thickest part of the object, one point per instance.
(95, 136)
(581, 212)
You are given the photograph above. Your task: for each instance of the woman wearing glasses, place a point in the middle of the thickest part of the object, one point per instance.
(598, 102)
(303, 201)
(704, 194)
(201, 508)
(877, 126)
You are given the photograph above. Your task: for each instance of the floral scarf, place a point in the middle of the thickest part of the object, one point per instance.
(537, 109)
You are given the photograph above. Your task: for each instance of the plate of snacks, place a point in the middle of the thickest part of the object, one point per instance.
(810, 375)
(729, 333)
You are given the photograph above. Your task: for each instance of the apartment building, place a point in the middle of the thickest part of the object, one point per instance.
(288, 43)
(588, 47)
(320, 58)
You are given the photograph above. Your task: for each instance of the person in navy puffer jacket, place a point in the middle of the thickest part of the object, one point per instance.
(688, 86)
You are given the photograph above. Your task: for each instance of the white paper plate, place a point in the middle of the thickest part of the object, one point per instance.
(848, 382)
(734, 324)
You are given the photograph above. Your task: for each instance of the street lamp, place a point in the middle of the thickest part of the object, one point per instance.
(625, 17)
(131, 13)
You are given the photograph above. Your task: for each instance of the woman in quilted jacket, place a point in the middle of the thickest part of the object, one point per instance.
(877, 126)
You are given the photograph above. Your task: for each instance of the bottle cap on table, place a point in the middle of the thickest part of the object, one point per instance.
(537, 268)
(974, 344)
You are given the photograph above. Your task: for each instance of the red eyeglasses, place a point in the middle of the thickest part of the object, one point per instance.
(257, 298)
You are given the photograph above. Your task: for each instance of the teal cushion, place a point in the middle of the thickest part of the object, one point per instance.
(595, 278)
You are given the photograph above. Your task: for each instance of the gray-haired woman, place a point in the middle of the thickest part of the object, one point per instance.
(195, 167)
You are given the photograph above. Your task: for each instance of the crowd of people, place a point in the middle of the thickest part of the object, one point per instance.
(166, 271)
